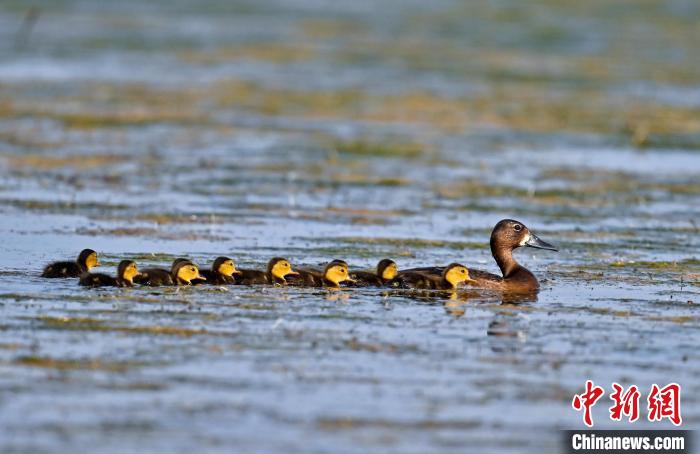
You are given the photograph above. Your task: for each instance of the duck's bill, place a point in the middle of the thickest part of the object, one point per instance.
(236, 272)
(537, 243)
(199, 277)
(352, 281)
(470, 281)
(293, 273)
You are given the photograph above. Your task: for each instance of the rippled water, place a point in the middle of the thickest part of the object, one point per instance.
(319, 130)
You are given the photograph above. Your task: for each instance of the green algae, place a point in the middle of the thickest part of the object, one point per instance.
(92, 325)
(380, 149)
(75, 364)
(689, 264)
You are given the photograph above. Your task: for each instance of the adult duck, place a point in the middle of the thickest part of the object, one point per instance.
(506, 236)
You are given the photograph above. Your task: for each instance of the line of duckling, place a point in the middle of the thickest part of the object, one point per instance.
(506, 236)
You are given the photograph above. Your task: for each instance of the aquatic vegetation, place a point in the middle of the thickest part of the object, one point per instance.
(74, 364)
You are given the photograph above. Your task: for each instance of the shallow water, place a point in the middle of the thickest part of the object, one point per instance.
(342, 130)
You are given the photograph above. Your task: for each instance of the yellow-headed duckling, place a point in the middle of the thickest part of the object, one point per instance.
(332, 275)
(278, 269)
(506, 236)
(222, 272)
(386, 271)
(126, 272)
(85, 262)
(453, 275)
(182, 272)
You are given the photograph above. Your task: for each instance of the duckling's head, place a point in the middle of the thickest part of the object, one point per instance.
(386, 269)
(225, 266)
(510, 234)
(176, 264)
(88, 258)
(280, 267)
(187, 271)
(337, 272)
(127, 270)
(455, 274)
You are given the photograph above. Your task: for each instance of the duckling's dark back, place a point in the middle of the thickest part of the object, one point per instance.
(365, 279)
(415, 279)
(98, 280)
(63, 269)
(308, 277)
(155, 277)
(214, 278)
(252, 277)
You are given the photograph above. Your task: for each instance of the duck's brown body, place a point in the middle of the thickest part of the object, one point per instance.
(506, 236)
(522, 280)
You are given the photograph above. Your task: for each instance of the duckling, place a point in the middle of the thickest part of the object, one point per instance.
(85, 262)
(182, 272)
(221, 272)
(278, 269)
(177, 261)
(386, 271)
(333, 274)
(507, 235)
(126, 272)
(453, 275)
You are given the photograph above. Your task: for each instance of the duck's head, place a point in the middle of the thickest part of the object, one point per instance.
(127, 270)
(510, 234)
(187, 271)
(280, 268)
(88, 258)
(387, 270)
(337, 272)
(176, 264)
(456, 273)
(225, 266)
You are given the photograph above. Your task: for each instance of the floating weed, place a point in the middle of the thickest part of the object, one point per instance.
(675, 319)
(678, 265)
(48, 162)
(88, 324)
(351, 423)
(62, 206)
(380, 149)
(409, 242)
(10, 346)
(270, 52)
(75, 364)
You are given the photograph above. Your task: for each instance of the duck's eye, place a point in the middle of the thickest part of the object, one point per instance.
(517, 227)
(462, 271)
